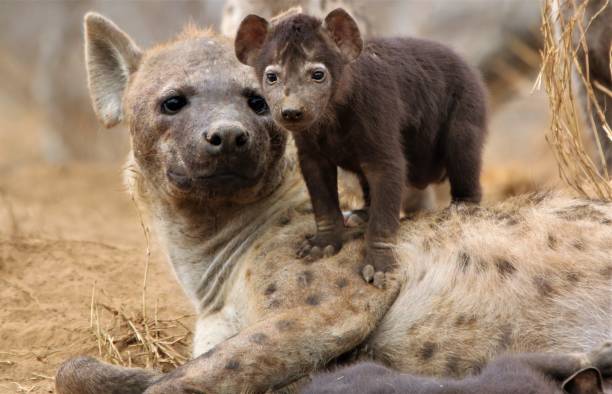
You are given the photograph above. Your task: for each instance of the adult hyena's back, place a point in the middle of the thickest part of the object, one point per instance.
(533, 274)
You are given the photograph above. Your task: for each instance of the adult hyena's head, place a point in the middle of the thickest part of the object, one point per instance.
(299, 61)
(199, 129)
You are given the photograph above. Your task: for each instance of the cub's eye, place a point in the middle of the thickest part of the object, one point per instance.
(271, 77)
(258, 105)
(318, 75)
(174, 104)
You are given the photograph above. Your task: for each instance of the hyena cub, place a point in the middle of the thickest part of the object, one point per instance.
(394, 111)
(542, 373)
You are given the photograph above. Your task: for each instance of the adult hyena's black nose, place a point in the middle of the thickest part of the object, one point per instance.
(226, 139)
(292, 115)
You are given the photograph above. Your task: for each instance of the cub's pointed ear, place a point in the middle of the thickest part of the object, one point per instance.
(586, 381)
(344, 31)
(250, 38)
(110, 57)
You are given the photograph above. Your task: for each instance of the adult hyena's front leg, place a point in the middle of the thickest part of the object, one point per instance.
(269, 354)
(284, 347)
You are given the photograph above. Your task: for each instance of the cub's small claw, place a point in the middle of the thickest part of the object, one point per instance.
(315, 254)
(368, 273)
(329, 251)
(379, 280)
(319, 246)
(304, 249)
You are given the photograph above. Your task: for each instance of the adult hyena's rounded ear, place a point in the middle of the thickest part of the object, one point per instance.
(586, 381)
(250, 38)
(344, 32)
(110, 57)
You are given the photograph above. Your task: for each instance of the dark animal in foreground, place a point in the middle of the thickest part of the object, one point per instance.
(541, 373)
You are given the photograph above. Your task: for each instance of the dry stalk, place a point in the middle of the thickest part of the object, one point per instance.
(562, 74)
(14, 226)
(145, 230)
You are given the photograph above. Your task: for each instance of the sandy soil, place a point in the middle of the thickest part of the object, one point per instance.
(70, 231)
(63, 230)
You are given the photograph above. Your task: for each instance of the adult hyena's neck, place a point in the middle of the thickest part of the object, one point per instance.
(205, 245)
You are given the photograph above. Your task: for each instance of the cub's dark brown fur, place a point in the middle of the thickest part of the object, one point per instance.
(396, 112)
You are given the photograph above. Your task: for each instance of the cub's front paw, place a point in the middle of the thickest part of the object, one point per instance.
(601, 358)
(378, 261)
(321, 245)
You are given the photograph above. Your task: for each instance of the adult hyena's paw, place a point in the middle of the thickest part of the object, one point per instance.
(601, 358)
(377, 263)
(320, 245)
(355, 218)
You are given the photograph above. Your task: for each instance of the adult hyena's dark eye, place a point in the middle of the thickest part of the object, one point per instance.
(271, 77)
(174, 104)
(258, 105)
(318, 75)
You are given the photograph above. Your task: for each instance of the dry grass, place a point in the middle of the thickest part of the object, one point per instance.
(563, 74)
(138, 339)
(135, 340)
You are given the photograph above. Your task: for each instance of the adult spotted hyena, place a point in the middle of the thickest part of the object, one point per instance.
(230, 207)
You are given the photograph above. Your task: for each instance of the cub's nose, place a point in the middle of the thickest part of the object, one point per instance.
(292, 115)
(226, 139)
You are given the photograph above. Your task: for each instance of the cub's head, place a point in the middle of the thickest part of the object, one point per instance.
(299, 61)
(199, 128)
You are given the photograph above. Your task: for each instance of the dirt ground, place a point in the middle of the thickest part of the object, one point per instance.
(73, 251)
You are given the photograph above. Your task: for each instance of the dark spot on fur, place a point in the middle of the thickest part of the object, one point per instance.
(552, 242)
(606, 221)
(284, 325)
(247, 274)
(506, 218)
(209, 353)
(270, 289)
(606, 272)
(460, 320)
(259, 338)
(543, 286)
(232, 365)
(580, 212)
(341, 283)
(428, 350)
(273, 304)
(464, 261)
(284, 220)
(313, 300)
(305, 278)
(505, 268)
(578, 245)
(452, 365)
(538, 197)
(573, 277)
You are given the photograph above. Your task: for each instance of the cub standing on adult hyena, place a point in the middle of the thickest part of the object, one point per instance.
(229, 206)
(397, 111)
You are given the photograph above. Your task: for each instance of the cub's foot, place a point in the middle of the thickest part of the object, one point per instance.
(355, 218)
(601, 358)
(320, 245)
(378, 261)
